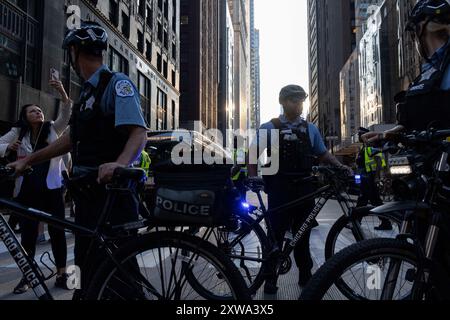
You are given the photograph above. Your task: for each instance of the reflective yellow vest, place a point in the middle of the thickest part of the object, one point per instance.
(239, 159)
(371, 162)
(145, 161)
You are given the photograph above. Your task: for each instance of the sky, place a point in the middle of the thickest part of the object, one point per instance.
(283, 50)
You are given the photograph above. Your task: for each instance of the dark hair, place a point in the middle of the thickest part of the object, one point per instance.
(25, 127)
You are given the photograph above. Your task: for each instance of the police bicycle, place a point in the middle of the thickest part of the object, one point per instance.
(416, 264)
(252, 249)
(145, 266)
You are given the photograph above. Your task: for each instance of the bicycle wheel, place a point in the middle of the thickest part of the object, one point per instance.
(156, 266)
(365, 268)
(247, 247)
(342, 233)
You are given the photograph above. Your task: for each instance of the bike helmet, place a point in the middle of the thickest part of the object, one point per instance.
(429, 10)
(89, 36)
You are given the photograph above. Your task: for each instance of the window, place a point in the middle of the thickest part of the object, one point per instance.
(141, 8)
(144, 87)
(174, 78)
(173, 114)
(140, 44)
(166, 40)
(125, 25)
(160, 5)
(150, 17)
(160, 32)
(166, 10)
(117, 62)
(161, 123)
(174, 51)
(159, 63)
(148, 51)
(114, 12)
(165, 72)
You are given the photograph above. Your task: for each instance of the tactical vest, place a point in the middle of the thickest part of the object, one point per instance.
(94, 137)
(295, 151)
(425, 104)
(370, 160)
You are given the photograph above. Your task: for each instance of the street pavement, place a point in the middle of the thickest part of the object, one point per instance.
(289, 289)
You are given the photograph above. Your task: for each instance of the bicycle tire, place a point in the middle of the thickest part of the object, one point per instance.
(182, 242)
(326, 276)
(342, 224)
(255, 280)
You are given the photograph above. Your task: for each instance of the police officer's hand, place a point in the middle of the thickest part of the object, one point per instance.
(106, 172)
(349, 171)
(371, 137)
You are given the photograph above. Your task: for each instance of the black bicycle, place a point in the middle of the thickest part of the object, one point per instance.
(145, 266)
(415, 265)
(252, 249)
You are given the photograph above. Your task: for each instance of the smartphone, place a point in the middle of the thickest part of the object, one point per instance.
(54, 74)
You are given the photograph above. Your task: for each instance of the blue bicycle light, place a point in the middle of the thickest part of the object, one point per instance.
(245, 205)
(358, 179)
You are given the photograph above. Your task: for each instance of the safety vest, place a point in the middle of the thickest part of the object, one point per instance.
(371, 161)
(145, 162)
(239, 159)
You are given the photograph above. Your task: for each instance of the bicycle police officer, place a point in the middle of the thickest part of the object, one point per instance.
(107, 131)
(300, 143)
(425, 103)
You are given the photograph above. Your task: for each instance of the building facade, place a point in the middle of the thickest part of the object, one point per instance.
(240, 13)
(378, 65)
(332, 38)
(255, 95)
(143, 43)
(199, 62)
(226, 110)
(349, 97)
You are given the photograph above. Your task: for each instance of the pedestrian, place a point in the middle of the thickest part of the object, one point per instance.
(42, 188)
(300, 144)
(370, 164)
(107, 132)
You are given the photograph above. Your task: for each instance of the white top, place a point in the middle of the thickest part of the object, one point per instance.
(54, 177)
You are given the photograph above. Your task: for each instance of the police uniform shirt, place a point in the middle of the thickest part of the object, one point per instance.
(120, 98)
(318, 146)
(435, 61)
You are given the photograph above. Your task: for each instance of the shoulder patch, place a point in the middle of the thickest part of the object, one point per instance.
(124, 88)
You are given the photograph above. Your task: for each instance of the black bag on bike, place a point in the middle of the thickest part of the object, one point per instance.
(194, 196)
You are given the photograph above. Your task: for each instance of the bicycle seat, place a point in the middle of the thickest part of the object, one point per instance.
(134, 174)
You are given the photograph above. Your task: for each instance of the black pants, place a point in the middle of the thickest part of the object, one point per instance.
(281, 192)
(50, 201)
(369, 191)
(87, 214)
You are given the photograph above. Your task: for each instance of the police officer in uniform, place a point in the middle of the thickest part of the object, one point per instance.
(240, 171)
(300, 144)
(426, 103)
(107, 132)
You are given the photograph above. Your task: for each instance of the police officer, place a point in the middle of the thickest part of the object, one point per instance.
(300, 143)
(370, 162)
(107, 131)
(425, 103)
(143, 162)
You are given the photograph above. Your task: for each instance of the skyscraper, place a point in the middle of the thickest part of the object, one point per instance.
(255, 100)
(331, 41)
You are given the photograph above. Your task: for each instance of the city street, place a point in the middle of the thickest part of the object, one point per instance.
(289, 289)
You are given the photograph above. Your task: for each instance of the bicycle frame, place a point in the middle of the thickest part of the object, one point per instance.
(29, 268)
(325, 193)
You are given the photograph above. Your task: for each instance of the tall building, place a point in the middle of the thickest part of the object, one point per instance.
(199, 62)
(240, 12)
(255, 98)
(226, 111)
(378, 59)
(362, 12)
(332, 38)
(349, 98)
(143, 43)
